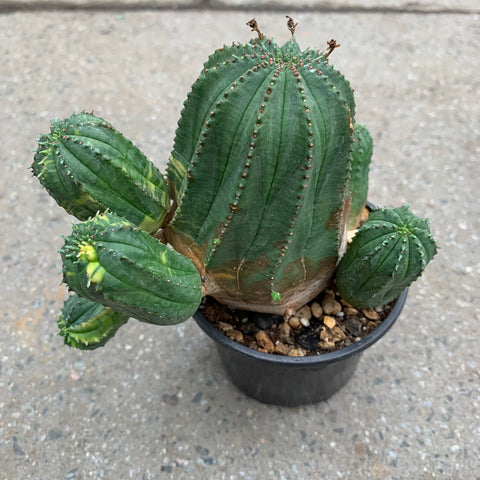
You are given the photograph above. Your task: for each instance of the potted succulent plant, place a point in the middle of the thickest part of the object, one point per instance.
(268, 174)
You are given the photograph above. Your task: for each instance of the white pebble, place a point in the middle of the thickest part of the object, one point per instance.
(305, 322)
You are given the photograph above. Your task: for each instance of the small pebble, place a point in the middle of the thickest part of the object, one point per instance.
(370, 313)
(338, 334)
(350, 311)
(296, 352)
(316, 309)
(264, 341)
(329, 321)
(225, 327)
(304, 313)
(305, 322)
(354, 326)
(264, 321)
(236, 335)
(294, 322)
(330, 305)
(284, 332)
(281, 348)
(325, 335)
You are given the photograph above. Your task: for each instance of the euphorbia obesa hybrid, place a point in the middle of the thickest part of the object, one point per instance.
(268, 169)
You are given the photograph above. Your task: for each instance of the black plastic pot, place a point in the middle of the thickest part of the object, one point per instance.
(293, 381)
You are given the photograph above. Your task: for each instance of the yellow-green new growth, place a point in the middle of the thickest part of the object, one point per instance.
(110, 261)
(88, 325)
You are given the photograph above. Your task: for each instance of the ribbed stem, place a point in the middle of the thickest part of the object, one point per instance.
(110, 261)
(387, 254)
(260, 169)
(88, 166)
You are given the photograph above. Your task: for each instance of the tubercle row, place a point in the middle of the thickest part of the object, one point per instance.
(93, 234)
(244, 174)
(318, 66)
(196, 159)
(53, 145)
(76, 132)
(235, 205)
(303, 181)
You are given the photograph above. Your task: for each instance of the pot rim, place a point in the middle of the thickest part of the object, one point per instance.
(307, 361)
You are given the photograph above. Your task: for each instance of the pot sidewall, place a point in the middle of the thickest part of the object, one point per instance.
(293, 381)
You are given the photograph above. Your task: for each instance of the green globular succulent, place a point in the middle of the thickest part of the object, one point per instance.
(260, 173)
(88, 166)
(268, 168)
(88, 325)
(387, 254)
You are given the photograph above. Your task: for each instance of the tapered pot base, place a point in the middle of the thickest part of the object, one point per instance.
(293, 381)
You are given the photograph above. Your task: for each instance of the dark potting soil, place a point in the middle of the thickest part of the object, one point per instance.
(325, 324)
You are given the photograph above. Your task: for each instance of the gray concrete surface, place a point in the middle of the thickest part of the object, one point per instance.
(419, 6)
(154, 403)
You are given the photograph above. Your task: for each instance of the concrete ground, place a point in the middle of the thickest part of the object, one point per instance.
(154, 403)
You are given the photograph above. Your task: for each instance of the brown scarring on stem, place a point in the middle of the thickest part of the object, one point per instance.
(254, 26)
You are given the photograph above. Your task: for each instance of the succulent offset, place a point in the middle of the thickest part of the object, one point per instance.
(267, 172)
(389, 252)
(111, 261)
(87, 166)
(88, 325)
